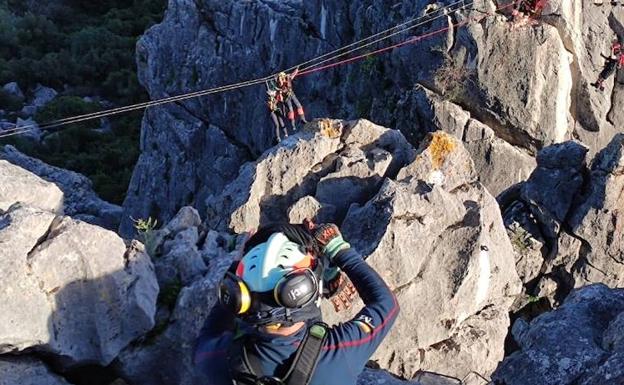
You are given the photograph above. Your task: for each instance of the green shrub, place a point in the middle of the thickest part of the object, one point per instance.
(87, 49)
(9, 102)
(68, 106)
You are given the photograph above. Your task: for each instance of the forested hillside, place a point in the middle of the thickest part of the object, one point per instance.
(84, 50)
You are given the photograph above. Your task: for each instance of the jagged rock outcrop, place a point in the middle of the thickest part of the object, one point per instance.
(27, 371)
(165, 354)
(350, 165)
(599, 220)
(80, 202)
(566, 220)
(178, 259)
(580, 343)
(70, 289)
(498, 164)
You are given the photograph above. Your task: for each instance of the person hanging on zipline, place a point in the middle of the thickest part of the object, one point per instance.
(275, 103)
(285, 86)
(612, 62)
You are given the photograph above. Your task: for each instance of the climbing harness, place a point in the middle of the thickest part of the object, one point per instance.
(308, 67)
(246, 367)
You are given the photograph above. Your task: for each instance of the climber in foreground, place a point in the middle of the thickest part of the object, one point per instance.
(275, 105)
(285, 84)
(614, 61)
(267, 328)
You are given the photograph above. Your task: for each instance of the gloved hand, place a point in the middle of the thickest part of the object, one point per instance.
(341, 292)
(330, 240)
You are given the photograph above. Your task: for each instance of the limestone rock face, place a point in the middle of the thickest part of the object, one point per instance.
(27, 371)
(566, 220)
(80, 201)
(420, 217)
(436, 236)
(515, 107)
(19, 185)
(574, 343)
(499, 165)
(178, 166)
(64, 282)
(178, 258)
(599, 220)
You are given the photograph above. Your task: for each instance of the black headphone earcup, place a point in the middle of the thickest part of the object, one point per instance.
(234, 294)
(297, 289)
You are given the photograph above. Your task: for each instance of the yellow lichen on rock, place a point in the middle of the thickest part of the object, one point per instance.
(440, 146)
(330, 128)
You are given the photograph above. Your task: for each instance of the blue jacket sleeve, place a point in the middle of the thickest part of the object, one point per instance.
(211, 349)
(360, 337)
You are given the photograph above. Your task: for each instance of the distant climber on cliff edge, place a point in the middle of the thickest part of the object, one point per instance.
(614, 61)
(528, 10)
(276, 108)
(285, 85)
(267, 328)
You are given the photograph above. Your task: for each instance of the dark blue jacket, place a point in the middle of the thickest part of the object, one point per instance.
(348, 347)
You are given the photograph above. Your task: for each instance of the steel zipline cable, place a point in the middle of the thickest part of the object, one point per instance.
(308, 67)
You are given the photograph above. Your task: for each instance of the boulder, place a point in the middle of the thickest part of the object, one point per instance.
(309, 208)
(27, 371)
(573, 344)
(436, 236)
(19, 185)
(27, 113)
(181, 260)
(80, 200)
(43, 95)
(64, 282)
(13, 89)
(31, 128)
(552, 187)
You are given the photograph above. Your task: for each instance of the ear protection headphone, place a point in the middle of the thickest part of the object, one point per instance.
(297, 289)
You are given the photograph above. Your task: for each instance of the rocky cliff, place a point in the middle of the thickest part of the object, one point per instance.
(518, 88)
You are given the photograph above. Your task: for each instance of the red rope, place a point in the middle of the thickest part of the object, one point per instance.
(399, 45)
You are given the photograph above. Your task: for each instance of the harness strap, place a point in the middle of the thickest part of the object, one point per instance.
(301, 369)
(308, 354)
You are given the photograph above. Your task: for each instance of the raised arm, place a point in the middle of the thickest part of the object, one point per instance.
(361, 336)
